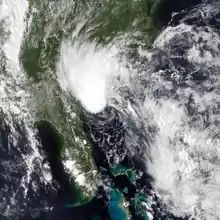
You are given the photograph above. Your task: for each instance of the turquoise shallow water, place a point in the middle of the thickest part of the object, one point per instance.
(97, 218)
(48, 25)
(115, 210)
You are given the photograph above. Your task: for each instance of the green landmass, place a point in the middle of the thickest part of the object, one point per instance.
(129, 23)
(53, 142)
(48, 24)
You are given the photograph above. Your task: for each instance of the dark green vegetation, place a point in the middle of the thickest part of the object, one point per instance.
(51, 22)
(103, 21)
(125, 23)
(48, 23)
(52, 142)
(116, 19)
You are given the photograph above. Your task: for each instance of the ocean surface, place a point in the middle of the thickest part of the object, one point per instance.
(109, 110)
